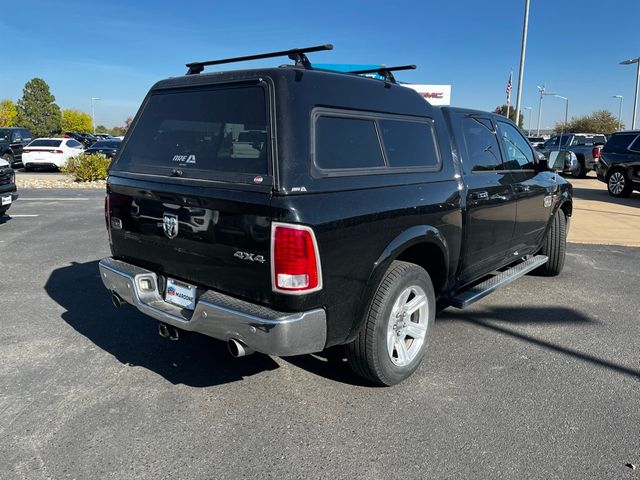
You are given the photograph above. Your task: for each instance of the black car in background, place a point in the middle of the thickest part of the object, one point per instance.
(619, 165)
(106, 147)
(12, 141)
(84, 138)
(8, 191)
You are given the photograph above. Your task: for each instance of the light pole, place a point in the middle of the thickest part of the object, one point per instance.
(523, 51)
(619, 111)
(543, 92)
(93, 112)
(529, 123)
(635, 99)
(566, 115)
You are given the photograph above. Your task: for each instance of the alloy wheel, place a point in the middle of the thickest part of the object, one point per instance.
(407, 327)
(616, 183)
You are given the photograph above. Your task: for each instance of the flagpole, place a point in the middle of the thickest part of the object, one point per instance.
(509, 84)
(523, 50)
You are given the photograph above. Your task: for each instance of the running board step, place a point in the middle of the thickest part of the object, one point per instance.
(477, 292)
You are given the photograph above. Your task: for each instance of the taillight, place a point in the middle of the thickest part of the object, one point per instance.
(66, 136)
(295, 261)
(26, 150)
(595, 152)
(57, 151)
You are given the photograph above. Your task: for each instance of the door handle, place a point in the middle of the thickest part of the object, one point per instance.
(479, 195)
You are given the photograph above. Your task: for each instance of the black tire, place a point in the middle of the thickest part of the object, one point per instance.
(581, 170)
(368, 354)
(554, 247)
(3, 210)
(8, 157)
(618, 184)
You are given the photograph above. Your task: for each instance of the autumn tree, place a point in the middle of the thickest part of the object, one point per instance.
(8, 113)
(76, 121)
(37, 109)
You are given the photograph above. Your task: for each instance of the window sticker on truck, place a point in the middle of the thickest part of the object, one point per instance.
(184, 159)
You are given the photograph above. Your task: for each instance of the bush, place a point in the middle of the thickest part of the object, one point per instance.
(87, 167)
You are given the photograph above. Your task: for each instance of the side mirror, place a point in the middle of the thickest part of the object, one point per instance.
(563, 161)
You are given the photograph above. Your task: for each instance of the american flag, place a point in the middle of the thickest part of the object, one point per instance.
(509, 83)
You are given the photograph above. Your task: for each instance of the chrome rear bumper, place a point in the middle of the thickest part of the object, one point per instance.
(219, 316)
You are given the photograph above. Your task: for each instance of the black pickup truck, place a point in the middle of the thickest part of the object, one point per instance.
(287, 210)
(12, 142)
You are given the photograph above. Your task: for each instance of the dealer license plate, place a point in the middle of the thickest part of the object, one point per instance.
(180, 294)
(6, 200)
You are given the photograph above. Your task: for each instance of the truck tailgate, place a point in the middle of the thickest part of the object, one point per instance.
(194, 234)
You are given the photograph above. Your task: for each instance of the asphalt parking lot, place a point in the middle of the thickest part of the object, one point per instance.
(539, 380)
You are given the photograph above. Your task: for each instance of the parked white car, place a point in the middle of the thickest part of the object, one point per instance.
(50, 152)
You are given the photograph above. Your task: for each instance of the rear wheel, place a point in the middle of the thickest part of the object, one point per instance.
(8, 158)
(618, 184)
(392, 342)
(581, 170)
(554, 247)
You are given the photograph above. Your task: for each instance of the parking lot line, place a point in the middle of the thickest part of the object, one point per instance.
(25, 215)
(53, 199)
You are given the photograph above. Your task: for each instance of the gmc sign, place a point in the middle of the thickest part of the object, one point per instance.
(434, 94)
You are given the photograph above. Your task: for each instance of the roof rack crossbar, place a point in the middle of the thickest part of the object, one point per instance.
(385, 71)
(296, 54)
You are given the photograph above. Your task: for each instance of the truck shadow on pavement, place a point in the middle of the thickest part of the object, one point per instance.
(601, 195)
(132, 338)
(506, 320)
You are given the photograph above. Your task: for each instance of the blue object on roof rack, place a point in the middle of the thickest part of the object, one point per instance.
(349, 67)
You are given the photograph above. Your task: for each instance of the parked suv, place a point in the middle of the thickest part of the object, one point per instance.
(12, 141)
(619, 165)
(333, 209)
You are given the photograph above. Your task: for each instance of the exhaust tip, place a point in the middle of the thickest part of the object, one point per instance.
(238, 349)
(117, 301)
(163, 330)
(168, 331)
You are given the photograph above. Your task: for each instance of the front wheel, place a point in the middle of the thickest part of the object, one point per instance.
(554, 247)
(393, 340)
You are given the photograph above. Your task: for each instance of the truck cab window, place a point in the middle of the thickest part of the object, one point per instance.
(519, 155)
(483, 151)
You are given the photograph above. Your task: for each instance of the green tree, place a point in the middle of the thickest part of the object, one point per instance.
(37, 109)
(502, 110)
(102, 129)
(76, 121)
(8, 113)
(601, 121)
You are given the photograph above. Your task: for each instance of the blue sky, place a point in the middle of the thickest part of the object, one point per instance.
(116, 50)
